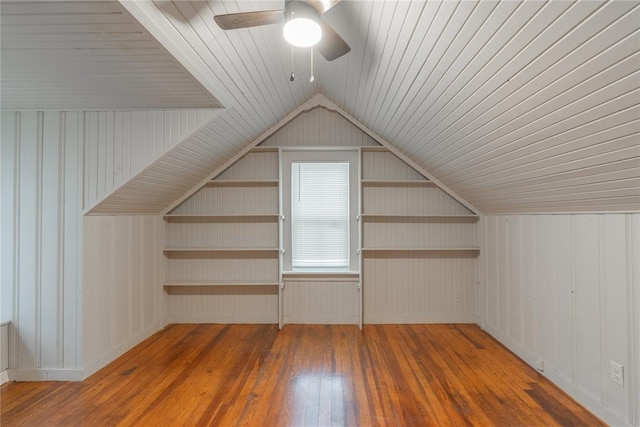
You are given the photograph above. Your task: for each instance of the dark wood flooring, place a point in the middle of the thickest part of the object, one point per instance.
(253, 375)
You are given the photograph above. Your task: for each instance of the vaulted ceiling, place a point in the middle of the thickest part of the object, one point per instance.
(516, 106)
(88, 55)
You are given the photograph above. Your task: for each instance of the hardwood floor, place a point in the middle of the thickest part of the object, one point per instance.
(253, 375)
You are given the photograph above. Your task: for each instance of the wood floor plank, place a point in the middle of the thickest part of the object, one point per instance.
(303, 375)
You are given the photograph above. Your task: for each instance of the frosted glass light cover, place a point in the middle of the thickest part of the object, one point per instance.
(302, 32)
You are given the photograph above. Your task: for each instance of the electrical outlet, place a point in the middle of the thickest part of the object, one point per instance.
(617, 373)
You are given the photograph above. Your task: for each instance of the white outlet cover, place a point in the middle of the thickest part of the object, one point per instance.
(616, 372)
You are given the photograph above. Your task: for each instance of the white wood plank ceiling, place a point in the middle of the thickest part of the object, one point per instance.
(516, 106)
(88, 56)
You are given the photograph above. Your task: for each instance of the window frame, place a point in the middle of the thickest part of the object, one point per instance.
(321, 156)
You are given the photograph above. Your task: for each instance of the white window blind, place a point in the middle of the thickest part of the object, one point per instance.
(320, 215)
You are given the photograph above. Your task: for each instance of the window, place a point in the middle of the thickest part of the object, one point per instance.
(320, 203)
(319, 215)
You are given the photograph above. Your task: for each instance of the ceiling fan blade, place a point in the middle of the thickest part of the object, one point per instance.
(233, 21)
(332, 46)
(322, 5)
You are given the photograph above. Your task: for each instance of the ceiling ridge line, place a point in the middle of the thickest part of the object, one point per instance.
(330, 105)
(313, 102)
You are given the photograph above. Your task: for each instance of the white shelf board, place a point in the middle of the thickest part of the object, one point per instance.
(221, 250)
(450, 249)
(264, 149)
(210, 283)
(244, 182)
(220, 216)
(374, 148)
(426, 216)
(398, 182)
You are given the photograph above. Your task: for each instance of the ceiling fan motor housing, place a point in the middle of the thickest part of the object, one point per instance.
(300, 9)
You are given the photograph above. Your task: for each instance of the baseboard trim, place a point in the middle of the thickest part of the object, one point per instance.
(320, 320)
(394, 319)
(4, 377)
(95, 365)
(585, 399)
(44, 374)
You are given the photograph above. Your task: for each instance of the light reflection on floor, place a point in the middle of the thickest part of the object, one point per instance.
(319, 399)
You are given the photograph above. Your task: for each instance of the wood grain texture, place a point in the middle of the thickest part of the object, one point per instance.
(305, 375)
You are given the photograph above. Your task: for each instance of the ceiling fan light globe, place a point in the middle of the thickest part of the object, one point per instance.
(302, 32)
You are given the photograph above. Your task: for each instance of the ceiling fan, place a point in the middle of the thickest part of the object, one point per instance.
(303, 26)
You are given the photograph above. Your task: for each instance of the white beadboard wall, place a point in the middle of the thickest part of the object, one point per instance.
(120, 144)
(231, 232)
(414, 286)
(232, 303)
(52, 164)
(180, 169)
(410, 287)
(230, 200)
(222, 304)
(321, 302)
(416, 232)
(41, 242)
(122, 299)
(319, 127)
(564, 289)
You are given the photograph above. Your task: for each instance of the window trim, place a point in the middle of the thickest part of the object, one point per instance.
(321, 155)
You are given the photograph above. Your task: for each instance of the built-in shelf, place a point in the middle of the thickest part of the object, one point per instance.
(264, 149)
(422, 217)
(374, 148)
(210, 283)
(397, 182)
(216, 217)
(464, 249)
(242, 182)
(222, 250)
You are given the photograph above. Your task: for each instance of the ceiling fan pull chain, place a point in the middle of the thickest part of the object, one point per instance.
(312, 78)
(292, 77)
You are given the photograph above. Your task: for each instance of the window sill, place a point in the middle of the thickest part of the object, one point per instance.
(321, 275)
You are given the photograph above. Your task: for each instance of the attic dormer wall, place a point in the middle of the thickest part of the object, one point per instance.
(404, 280)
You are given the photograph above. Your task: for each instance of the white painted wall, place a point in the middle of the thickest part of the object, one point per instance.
(323, 302)
(40, 240)
(222, 304)
(563, 289)
(122, 297)
(54, 165)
